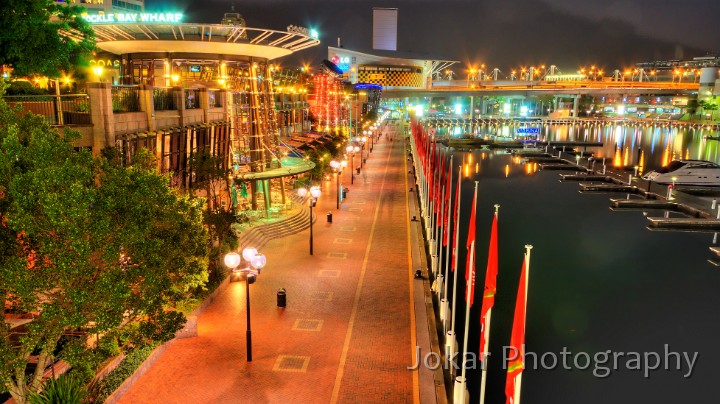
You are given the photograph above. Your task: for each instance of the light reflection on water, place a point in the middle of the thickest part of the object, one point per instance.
(651, 146)
(599, 281)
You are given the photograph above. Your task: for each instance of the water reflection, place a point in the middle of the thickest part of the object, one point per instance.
(645, 145)
(600, 282)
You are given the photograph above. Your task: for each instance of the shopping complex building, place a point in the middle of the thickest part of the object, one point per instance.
(178, 88)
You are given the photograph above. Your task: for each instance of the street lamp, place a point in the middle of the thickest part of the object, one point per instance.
(356, 149)
(349, 151)
(256, 262)
(363, 140)
(314, 195)
(98, 70)
(337, 167)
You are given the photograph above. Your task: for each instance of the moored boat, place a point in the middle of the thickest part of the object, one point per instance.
(687, 172)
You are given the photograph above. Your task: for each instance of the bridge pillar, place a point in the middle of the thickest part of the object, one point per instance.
(483, 106)
(472, 107)
(576, 102)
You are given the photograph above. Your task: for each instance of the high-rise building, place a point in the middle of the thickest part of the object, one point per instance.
(108, 6)
(233, 18)
(385, 28)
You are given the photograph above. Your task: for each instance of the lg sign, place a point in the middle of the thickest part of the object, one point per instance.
(345, 60)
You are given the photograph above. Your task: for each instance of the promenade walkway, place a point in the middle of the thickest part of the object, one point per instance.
(348, 332)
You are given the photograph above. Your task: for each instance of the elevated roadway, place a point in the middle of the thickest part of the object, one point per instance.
(540, 88)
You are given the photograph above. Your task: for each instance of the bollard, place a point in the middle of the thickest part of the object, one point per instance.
(669, 193)
(603, 168)
(714, 204)
(281, 297)
(329, 217)
(718, 215)
(630, 179)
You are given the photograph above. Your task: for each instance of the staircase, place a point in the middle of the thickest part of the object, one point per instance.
(258, 236)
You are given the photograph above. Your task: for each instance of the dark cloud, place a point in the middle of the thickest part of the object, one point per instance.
(502, 33)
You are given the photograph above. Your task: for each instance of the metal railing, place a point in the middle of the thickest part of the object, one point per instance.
(68, 109)
(125, 98)
(164, 99)
(214, 99)
(192, 99)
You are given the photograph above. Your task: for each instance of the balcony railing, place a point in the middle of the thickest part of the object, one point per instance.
(164, 99)
(192, 99)
(69, 109)
(214, 99)
(125, 98)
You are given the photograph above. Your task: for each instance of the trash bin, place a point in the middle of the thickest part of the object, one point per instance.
(345, 191)
(329, 217)
(281, 298)
(358, 170)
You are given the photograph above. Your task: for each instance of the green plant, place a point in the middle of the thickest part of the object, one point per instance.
(127, 367)
(84, 361)
(67, 389)
(108, 345)
(82, 106)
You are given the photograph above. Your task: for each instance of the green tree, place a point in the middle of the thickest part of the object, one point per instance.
(85, 245)
(708, 105)
(42, 37)
(210, 175)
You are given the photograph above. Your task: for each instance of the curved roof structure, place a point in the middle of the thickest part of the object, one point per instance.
(289, 166)
(200, 38)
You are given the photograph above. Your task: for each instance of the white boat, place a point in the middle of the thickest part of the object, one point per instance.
(687, 172)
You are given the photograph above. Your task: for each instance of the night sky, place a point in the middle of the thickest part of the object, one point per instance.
(500, 33)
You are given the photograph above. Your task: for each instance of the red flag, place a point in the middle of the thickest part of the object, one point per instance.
(438, 186)
(517, 339)
(470, 265)
(455, 220)
(490, 285)
(446, 213)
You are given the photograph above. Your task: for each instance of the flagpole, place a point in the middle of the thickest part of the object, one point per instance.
(439, 255)
(461, 382)
(486, 332)
(518, 380)
(444, 302)
(451, 334)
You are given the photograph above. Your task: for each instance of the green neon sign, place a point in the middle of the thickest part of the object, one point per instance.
(124, 18)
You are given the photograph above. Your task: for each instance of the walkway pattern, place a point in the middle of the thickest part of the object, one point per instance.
(347, 334)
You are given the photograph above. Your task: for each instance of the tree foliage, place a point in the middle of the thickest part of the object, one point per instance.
(33, 40)
(85, 245)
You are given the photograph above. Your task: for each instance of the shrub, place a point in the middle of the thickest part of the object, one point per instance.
(127, 367)
(67, 389)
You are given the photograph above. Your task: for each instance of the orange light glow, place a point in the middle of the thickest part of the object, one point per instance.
(617, 160)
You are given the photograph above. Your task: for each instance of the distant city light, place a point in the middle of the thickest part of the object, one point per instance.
(458, 109)
(419, 110)
(314, 34)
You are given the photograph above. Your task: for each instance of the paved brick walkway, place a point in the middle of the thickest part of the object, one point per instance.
(348, 332)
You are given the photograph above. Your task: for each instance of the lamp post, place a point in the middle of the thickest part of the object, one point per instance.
(363, 140)
(356, 149)
(256, 262)
(350, 151)
(314, 195)
(336, 165)
(98, 70)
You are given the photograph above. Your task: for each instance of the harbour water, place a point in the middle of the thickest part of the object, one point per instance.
(647, 145)
(599, 280)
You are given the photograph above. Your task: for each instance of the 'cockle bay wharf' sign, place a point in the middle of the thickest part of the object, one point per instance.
(114, 18)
